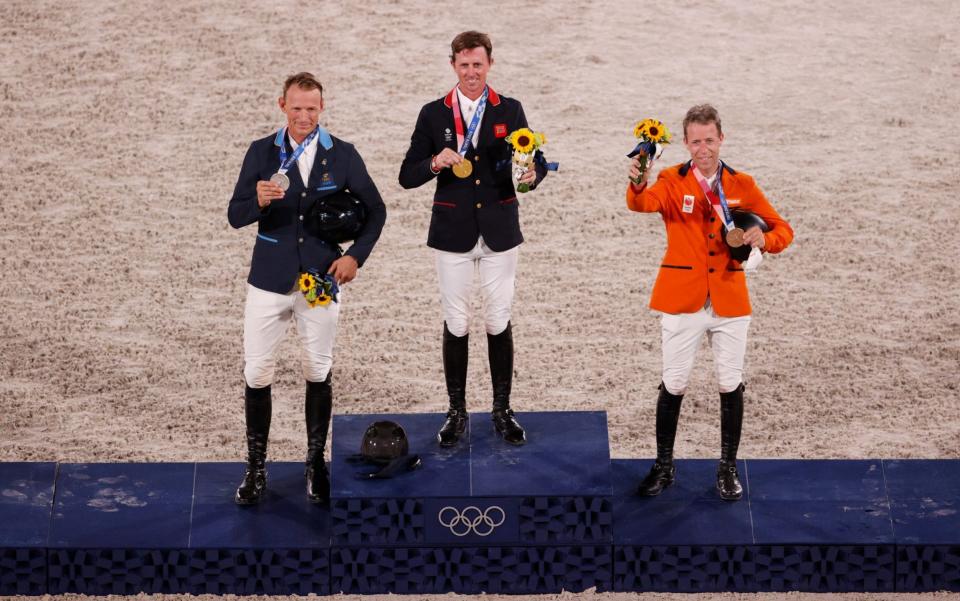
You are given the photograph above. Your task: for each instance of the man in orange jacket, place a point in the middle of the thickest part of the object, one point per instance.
(701, 289)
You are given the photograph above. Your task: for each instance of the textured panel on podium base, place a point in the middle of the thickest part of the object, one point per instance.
(470, 570)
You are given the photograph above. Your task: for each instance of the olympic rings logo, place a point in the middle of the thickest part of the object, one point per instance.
(471, 520)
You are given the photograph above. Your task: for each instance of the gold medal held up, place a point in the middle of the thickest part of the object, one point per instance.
(463, 169)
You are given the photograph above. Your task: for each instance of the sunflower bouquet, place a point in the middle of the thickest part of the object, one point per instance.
(653, 136)
(319, 290)
(525, 144)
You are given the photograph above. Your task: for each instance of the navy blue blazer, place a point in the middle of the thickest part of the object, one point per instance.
(484, 203)
(286, 243)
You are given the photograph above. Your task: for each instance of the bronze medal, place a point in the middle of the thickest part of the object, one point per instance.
(463, 169)
(735, 238)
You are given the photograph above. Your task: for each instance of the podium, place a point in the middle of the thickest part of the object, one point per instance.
(483, 516)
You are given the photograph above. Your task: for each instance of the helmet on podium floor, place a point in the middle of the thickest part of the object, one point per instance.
(384, 441)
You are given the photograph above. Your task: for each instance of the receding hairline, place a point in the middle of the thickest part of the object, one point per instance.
(303, 80)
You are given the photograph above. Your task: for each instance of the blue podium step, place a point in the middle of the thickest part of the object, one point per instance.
(480, 516)
(483, 516)
(174, 528)
(925, 510)
(26, 500)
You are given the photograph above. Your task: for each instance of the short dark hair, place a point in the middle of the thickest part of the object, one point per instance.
(703, 114)
(304, 81)
(469, 40)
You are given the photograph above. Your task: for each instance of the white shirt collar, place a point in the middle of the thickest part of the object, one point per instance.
(465, 103)
(311, 147)
(468, 108)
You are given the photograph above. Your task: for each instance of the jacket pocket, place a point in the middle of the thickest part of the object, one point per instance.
(438, 203)
(268, 239)
(665, 266)
(510, 200)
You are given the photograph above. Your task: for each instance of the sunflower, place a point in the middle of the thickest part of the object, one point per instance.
(523, 140)
(323, 299)
(640, 129)
(657, 132)
(306, 282)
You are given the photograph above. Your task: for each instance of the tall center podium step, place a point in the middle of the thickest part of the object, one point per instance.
(482, 516)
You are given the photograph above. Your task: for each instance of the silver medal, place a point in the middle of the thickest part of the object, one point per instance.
(281, 180)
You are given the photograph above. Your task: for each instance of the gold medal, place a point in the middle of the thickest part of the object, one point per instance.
(735, 238)
(463, 169)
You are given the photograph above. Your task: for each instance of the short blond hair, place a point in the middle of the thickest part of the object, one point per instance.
(304, 81)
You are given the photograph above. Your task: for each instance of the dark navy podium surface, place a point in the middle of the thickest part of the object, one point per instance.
(480, 516)
(174, 528)
(925, 508)
(26, 500)
(554, 514)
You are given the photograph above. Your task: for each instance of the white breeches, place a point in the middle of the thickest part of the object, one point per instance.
(455, 272)
(681, 334)
(265, 321)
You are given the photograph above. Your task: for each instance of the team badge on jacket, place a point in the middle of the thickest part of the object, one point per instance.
(687, 203)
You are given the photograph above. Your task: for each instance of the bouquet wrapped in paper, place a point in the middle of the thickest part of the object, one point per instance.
(525, 144)
(653, 135)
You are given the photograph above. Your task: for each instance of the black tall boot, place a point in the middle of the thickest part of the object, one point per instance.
(663, 471)
(731, 423)
(318, 407)
(455, 353)
(500, 352)
(258, 408)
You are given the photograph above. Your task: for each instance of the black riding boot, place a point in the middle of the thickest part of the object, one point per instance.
(500, 352)
(731, 423)
(663, 471)
(317, 410)
(257, 407)
(455, 351)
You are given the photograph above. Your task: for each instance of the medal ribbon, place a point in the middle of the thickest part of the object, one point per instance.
(285, 162)
(464, 141)
(717, 199)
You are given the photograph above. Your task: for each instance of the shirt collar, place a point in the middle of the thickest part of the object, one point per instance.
(324, 136)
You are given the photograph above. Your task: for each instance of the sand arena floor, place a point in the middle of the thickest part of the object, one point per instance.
(122, 129)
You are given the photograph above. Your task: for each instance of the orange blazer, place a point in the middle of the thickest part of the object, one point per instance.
(697, 261)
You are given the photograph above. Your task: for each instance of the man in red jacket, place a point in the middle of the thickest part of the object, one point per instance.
(701, 289)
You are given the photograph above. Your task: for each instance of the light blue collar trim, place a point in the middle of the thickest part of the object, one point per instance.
(324, 136)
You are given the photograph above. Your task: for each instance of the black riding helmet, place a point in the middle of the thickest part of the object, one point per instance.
(745, 220)
(338, 217)
(385, 444)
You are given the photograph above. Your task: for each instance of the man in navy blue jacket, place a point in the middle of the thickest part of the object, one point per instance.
(460, 140)
(283, 176)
